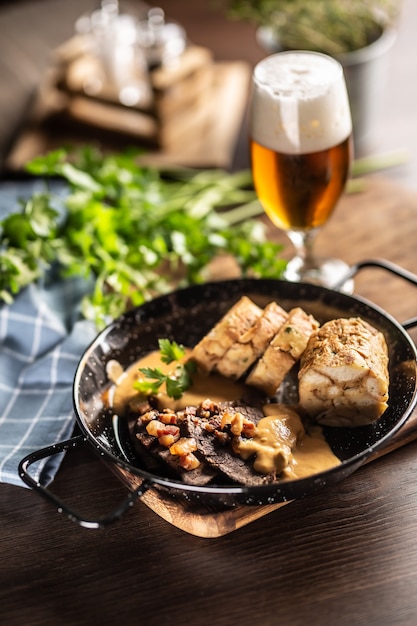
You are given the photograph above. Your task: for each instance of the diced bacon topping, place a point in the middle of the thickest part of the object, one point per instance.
(189, 461)
(249, 428)
(238, 424)
(149, 415)
(183, 446)
(207, 408)
(167, 440)
(222, 437)
(157, 429)
(168, 417)
(184, 449)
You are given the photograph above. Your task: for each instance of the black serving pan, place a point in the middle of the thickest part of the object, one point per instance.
(185, 316)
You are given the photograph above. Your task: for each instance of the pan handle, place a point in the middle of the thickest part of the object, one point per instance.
(61, 507)
(390, 267)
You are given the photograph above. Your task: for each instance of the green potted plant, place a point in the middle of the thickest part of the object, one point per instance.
(357, 32)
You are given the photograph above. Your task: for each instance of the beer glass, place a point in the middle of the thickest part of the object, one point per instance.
(301, 151)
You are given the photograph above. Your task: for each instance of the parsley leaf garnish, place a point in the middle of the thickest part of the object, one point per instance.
(170, 351)
(176, 382)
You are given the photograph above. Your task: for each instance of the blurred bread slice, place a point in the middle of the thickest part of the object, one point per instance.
(283, 352)
(212, 347)
(252, 344)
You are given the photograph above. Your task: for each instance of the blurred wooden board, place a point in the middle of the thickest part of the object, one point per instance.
(165, 103)
(203, 137)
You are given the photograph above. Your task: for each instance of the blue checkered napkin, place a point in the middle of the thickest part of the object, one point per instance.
(40, 346)
(41, 340)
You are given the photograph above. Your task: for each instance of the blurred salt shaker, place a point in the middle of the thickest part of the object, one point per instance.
(162, 42)
(115, 43)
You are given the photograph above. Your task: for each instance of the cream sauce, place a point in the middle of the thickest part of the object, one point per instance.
(311, 456)
(280, 444)
(275, 439)
(204, 386)
(310, 452)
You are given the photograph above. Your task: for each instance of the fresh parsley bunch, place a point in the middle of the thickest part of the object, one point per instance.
(135, 231)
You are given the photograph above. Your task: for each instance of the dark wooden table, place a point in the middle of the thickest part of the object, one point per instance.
(345, 556)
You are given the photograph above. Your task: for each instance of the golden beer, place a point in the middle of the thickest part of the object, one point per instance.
(300, 191)
(300, 134)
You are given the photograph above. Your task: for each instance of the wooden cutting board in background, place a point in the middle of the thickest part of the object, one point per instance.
(193, 118)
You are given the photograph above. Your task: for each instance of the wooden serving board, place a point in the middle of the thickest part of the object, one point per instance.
(209, 522)
(391, 213)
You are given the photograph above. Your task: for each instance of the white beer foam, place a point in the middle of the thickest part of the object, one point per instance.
(300, 103)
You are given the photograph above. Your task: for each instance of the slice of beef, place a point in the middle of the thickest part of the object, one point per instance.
(158, 459)
(218, 462)
(144, 447)
(200, 476)
(215, 446)
(252, 412)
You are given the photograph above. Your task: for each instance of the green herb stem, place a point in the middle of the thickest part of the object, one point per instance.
(375, 163)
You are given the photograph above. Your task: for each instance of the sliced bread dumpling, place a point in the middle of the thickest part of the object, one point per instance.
(343, 377)
(283, 351)
(211, 348)
(252, 344)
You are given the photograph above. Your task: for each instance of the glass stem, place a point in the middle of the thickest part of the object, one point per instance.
(303, 242)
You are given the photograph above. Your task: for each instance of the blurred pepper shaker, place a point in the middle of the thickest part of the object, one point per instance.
(163, 42)
(115, 43)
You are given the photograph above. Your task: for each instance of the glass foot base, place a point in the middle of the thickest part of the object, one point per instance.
(327, 273)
